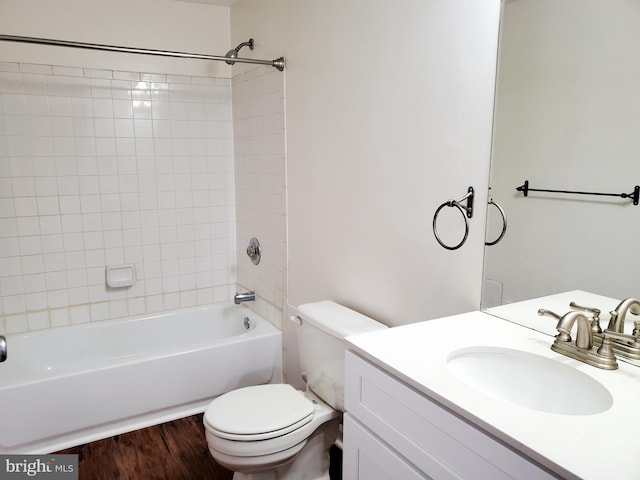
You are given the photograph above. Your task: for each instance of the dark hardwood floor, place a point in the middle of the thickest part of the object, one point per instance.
(170, 451)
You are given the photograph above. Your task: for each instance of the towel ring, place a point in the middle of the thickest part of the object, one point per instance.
(504, 223)
(466, 211)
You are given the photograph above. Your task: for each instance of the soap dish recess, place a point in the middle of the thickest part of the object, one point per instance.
(120, 276)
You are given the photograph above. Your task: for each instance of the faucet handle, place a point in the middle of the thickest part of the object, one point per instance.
(607, 336)
(543, 312)
(562, 336)
(595, 312)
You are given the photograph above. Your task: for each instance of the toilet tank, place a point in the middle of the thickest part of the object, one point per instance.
(321, 346)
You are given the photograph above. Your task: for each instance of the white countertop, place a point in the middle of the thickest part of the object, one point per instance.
(600, 446)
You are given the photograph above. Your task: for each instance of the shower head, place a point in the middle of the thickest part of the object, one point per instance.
(233, 53)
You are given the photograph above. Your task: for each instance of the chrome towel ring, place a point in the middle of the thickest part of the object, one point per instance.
(504, 223)
(465, 210)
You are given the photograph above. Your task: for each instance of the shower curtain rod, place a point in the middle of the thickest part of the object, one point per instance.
(277, 63)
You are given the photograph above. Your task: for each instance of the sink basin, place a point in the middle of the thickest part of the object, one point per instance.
(529, 380)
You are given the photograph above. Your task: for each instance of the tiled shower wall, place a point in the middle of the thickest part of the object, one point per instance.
(102, 167)
(260, 182)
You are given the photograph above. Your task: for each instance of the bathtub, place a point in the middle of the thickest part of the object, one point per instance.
(72, 385)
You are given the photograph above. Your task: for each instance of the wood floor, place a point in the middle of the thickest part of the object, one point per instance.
(171, 451)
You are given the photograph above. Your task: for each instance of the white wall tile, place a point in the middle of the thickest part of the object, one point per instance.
(99, 166)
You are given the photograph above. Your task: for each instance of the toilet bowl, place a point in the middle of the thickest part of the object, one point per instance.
(275, 432)
(257, 431)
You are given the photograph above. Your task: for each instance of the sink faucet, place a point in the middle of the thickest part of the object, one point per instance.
(617, 316)
(623, 345)
(238, 298)
(582, 349)
(595, 318)
(584, 337)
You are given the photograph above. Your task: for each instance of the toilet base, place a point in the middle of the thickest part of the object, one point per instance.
(311, 463)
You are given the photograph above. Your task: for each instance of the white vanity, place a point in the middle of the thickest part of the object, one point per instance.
(412, 414)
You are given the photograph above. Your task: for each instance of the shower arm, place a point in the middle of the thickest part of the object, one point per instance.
(278, 63)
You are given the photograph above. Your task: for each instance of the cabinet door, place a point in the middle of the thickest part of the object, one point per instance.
(365, 457)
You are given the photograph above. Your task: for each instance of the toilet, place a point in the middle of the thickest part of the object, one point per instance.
(273, 431)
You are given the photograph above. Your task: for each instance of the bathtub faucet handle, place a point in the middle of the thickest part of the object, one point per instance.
(238, 298)
(3, 348)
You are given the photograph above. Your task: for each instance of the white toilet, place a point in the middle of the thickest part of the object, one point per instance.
(274, 431)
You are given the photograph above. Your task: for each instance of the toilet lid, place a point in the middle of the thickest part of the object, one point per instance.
(259, 410)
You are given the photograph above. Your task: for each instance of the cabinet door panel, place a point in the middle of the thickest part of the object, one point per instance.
(365, 457)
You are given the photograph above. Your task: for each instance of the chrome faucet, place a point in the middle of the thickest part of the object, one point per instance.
(3, 348)
(582, 349)
(238, 298)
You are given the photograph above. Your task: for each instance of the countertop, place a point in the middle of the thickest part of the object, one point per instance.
(600, 446)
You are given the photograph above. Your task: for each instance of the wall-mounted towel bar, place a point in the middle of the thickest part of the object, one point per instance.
(634, 196)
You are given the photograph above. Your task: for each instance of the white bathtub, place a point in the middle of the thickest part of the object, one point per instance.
(71, 385)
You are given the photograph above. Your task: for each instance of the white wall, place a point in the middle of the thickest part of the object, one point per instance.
(567, 117)
(388, 114)
(152, 24)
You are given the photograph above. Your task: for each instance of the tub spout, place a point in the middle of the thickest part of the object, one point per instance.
(3, 348)
(238, 298)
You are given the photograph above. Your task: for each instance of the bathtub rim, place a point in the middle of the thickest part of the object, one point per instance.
(263, 324)
(134, 422)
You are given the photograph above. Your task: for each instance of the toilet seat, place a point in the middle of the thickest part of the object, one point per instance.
(260, 412)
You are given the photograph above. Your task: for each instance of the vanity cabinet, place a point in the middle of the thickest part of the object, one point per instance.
(391, 431)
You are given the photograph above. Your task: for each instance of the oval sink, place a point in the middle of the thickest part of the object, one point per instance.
(529, 380)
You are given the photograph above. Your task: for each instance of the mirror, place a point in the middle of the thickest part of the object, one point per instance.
(567, 117)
